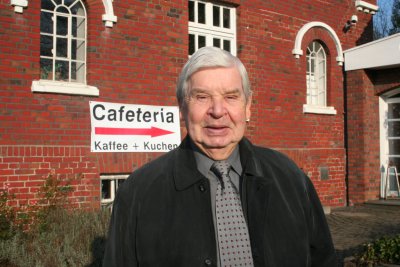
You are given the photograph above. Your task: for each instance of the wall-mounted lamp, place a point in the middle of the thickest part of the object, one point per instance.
(351, 22)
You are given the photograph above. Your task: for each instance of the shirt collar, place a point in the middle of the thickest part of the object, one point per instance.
(204, 163)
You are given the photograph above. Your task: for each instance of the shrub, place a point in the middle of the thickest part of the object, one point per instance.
(49, 233)
(382, 250)
(7, 215)
(71, 238)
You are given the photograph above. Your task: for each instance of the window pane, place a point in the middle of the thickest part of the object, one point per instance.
(191, 11)
(62, 25)
(78, 27)
(227, 18)
(394, 111)
(77, 9)
(46, 45)
(78, 50)
(312, 65)
(46, 69)
(77, 72)
(201, 13)
(396, 162)
(105, 189)
(394, 129)
(74, 27)
(216, 16)
(61, 70)
(47, 4)
(201, 41)
(62, 47)
(46, 22)
(192, 47)
(68, 2)
(62, 9)
(227, 45)
(394, 147)
(216, 42)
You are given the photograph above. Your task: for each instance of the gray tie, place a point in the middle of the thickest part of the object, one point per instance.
(233, 235)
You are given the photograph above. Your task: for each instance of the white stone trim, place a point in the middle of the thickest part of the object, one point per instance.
(56, 87)
(381, 53)
(109, 18)
(366, 7)
(19, 5)
(297, 51)
(319, 110)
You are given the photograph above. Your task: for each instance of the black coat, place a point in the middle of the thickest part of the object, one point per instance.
(162, 214)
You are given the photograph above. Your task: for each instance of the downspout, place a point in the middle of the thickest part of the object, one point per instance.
(346, 137)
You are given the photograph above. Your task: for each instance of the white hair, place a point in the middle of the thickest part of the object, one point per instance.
(209, 57)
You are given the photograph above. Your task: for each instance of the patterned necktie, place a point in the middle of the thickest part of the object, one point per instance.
(233, 236)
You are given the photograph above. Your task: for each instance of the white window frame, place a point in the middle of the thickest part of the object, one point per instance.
(316, 80)
(209, 31)
(107, 202)
(68, 86)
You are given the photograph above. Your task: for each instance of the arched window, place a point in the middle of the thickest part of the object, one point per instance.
(63, 41)
(316, 75)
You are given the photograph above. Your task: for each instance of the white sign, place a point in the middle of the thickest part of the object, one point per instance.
(133, 128)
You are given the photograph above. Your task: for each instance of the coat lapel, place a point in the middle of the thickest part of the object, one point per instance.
(185, 169)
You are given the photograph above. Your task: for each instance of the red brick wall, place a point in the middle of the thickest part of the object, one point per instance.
(138, 61)
(385, 79)
(363, 138)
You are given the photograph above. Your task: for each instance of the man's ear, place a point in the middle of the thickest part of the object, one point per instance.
(248, 108)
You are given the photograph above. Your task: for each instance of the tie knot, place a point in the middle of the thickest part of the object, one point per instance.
(221, 168)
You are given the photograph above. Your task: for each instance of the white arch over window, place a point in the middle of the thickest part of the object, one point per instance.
(297, 51)
(109, 18)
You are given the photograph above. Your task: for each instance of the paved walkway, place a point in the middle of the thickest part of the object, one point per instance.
(351, 227)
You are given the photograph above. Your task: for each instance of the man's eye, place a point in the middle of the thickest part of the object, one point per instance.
(202, 98)
(232, 97)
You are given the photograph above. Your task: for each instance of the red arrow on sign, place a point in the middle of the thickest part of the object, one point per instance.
(153, 131)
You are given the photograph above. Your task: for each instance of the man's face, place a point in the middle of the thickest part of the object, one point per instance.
(216, 110)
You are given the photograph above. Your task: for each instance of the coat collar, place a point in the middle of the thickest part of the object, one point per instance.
(186, 173)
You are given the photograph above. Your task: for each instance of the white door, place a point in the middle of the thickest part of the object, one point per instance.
(389, 106)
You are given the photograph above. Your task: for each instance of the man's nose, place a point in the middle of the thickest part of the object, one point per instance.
(217, 108)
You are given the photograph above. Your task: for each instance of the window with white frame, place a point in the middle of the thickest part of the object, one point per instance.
(109, 187)
(316, 80)
(316, 74)
(63, 41)
(211, 25)
(63, 48)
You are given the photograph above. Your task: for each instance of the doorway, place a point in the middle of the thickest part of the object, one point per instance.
(389, 107)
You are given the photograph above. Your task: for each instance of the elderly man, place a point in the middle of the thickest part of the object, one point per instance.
(218, 200)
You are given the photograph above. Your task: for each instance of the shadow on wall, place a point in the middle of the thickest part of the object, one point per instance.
(367, 34)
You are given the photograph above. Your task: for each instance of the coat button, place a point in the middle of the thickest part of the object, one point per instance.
(207, 262)
(202, 188)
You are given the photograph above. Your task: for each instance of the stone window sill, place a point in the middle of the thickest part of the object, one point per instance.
(319, 110)
(70, 88)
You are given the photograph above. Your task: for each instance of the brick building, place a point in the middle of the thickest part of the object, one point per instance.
(58, 56)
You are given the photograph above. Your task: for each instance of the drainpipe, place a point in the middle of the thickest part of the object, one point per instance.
(346, 137)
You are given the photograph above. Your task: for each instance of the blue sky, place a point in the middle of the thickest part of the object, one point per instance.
(385, 7)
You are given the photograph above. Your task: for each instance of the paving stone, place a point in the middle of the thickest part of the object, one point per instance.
(352, 227)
